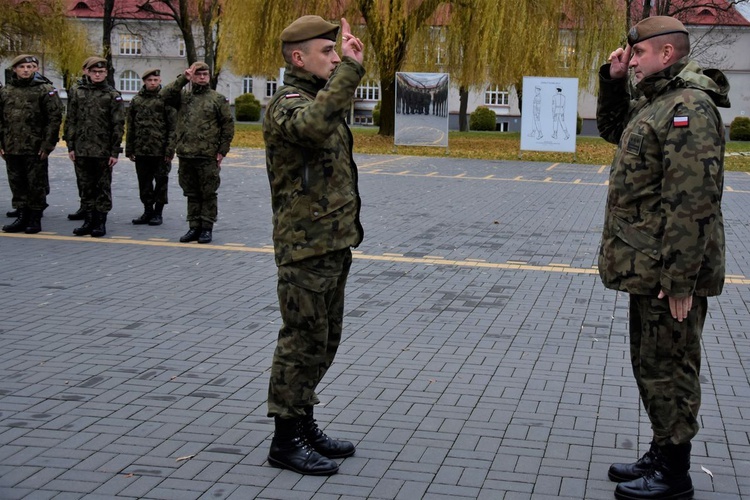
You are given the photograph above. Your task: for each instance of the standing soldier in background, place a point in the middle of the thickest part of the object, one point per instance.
(149, 142)
(94, 127)
(79, 214)
(205, 128)
(316, 204)
(663, 235)
(31, 113)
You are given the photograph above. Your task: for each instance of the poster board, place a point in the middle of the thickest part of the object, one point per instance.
(548, 114)
(421, 117)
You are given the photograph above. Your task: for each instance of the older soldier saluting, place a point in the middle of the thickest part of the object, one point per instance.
(205, 128)
(663, 236)
(316, 204)
(30, 113)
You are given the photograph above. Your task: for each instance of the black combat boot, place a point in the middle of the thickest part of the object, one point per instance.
(290, 450)
(324, 445)
(669, 478)
(156, 218)
(145, 217)
(34, 224)
(19, 224)
(627, 472)
(206, 236)
(192, 235)
(88, 225)
(12, 213)
(99, 228)
(79, 214)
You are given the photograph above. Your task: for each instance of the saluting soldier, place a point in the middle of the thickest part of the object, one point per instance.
(663, 235)
(149, 142)
(205, 128)
(94, 127)
(31, 114)
(316, 204)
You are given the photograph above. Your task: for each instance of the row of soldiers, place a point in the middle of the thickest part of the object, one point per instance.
(196, 124)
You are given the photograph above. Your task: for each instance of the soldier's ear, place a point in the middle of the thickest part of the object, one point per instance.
(667, 52)
(298, 58)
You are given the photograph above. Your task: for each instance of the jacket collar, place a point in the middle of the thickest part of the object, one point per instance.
(303, 80)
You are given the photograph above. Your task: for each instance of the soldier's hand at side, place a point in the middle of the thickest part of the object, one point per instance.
(43, 155)
(2, 153)
(112, 161)
(219, 158)
(678, 307)
(618, 63)
(131, 157)
(351, 46)
(72, 155)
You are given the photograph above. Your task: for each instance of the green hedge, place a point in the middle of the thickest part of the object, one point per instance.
(247, 108)
(483, 118)
(739, 130)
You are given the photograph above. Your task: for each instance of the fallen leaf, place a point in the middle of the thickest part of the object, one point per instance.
(186, 457)
(707, 471)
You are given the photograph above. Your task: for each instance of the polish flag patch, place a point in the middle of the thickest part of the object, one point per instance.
(681, 121)
(290, 96)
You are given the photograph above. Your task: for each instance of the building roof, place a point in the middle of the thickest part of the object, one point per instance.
(124, 9)
(701, 13)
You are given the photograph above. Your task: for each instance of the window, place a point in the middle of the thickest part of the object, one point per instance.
(502, 126)
(247, 85)
(271, 85)
(129, 81)
(130, 45)
(369, 90)
(181, 50)
(493, 96)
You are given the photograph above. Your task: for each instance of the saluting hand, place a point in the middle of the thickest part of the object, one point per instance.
(351, 46)
(618, 63)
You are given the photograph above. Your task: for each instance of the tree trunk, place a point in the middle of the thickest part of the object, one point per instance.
(109, 6)
(387, 107)
(463, 104)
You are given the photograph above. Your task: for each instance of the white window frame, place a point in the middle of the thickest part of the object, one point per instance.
(271, 85)
(247, 85)
(494, 96)
(130, 45)
(368, 90)
(181, 47)
(129, 81)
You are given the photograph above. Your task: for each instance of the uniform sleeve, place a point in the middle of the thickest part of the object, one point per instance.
(172, 92)
(612, 106)
(2, 120)
(53, 109)
(118, 125)
(71, 121)
(226, 124)
(691, 190)
(130, 128)
(170, 119)
(310, 123)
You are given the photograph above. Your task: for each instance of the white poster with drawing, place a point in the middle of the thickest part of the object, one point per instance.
(548, 114)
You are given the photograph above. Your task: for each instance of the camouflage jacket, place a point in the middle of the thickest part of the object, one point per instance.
(205, 125)
(313, 177)
(150, 126)
(30, 113)
(663, 227)
(95, 121)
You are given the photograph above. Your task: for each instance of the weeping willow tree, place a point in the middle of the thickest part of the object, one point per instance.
(480, 40)
(42, 28)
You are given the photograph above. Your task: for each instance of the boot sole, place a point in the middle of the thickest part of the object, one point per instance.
(622, 479)
(685, 495)
(282, 465)
(338, 455)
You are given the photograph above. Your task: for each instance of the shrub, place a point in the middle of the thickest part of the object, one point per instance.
(376, 114)
(247, 108)
(739, 130)
(483, 118)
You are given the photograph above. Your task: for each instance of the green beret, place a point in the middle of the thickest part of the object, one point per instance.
(22, 59)
(96, 62)
(309, 27)
(654, 26)
(200, 66)
(151, 72)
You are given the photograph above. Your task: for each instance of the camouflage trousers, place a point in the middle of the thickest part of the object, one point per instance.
(311, 300)
(199, 179)
(666, 359)
(94, 177)
(28, 180)
(153, 179)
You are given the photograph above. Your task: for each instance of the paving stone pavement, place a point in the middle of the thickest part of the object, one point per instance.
(482, 356)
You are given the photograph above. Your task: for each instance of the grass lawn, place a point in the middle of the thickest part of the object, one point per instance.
(487, 146)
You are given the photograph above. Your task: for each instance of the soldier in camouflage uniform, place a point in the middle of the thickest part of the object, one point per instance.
(79, 214)
(316, 204)
(663, 235)
(150, 144)
(205, 128)
(30, 114)
(94, 127)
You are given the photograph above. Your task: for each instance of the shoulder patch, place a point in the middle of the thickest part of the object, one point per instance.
(118, 98)
(681, 121)
(291, 96)
(52, 92)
